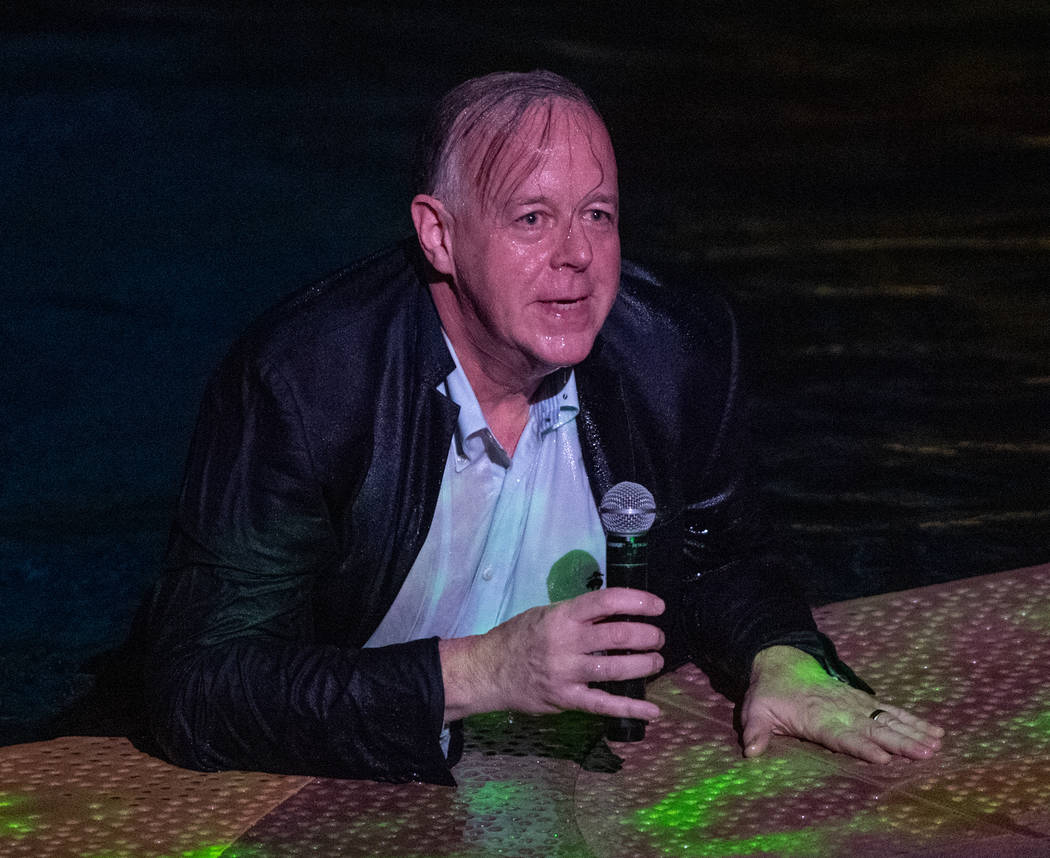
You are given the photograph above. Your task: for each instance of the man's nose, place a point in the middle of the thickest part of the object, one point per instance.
(574, 249)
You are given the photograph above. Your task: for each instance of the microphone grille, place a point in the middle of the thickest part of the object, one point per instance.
(627, 509)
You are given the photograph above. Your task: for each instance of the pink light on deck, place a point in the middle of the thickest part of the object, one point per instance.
(972, 655)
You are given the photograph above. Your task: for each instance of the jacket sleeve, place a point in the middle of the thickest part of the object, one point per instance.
(236, 675)
(737, 599)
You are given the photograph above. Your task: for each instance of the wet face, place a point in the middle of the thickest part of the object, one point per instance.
(535, 268)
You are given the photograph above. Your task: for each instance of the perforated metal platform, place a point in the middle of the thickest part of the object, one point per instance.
(102, 798)
(972, 655)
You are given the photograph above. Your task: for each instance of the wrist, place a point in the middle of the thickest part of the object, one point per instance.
(468, 686)
(785, 659)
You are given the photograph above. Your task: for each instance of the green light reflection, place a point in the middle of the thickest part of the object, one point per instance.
(15, 820)
(685, 822)
(496, 797)
(1038, 722)
(693, 806)
(205, 852)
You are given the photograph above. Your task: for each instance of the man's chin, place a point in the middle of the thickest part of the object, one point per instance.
(556, 351)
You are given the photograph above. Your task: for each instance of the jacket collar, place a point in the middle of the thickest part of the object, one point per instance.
(435, 362)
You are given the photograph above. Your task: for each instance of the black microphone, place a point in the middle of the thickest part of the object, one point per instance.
(627, 512)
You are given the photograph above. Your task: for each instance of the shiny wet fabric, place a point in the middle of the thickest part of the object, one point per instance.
(309, 490)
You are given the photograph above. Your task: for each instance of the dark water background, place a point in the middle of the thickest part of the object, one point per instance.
(869, 182)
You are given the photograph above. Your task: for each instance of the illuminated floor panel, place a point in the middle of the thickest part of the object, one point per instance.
(973, 655)
(514, 797)
(86, 797)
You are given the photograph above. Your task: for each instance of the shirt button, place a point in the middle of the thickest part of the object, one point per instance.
(487, 574)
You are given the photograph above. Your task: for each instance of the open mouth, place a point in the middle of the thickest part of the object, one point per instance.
(567, 311)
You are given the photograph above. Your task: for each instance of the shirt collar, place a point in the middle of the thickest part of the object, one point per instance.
(557, 404)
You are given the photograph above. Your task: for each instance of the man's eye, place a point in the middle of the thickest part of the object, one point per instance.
(599, 215)
(530, 219)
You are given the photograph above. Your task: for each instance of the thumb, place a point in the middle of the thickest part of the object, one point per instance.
(757, 732)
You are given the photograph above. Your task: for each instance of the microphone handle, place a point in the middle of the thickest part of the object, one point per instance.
(627, 565)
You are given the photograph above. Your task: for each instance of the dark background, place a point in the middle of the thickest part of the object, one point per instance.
(868, 182)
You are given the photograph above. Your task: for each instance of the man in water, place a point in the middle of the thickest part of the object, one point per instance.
(389, 516)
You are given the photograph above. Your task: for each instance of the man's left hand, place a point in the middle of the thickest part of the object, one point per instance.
(792, 695)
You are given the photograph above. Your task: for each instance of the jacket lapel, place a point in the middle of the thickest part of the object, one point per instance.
(603, 423)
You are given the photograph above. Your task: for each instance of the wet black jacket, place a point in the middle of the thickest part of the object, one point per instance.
(310, 486)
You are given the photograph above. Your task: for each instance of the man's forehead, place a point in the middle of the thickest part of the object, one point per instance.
(545, 123)
(502, 166)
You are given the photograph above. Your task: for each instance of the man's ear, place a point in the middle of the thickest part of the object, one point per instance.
(434, 229)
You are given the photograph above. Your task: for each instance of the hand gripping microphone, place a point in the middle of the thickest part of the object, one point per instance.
(627, 512)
